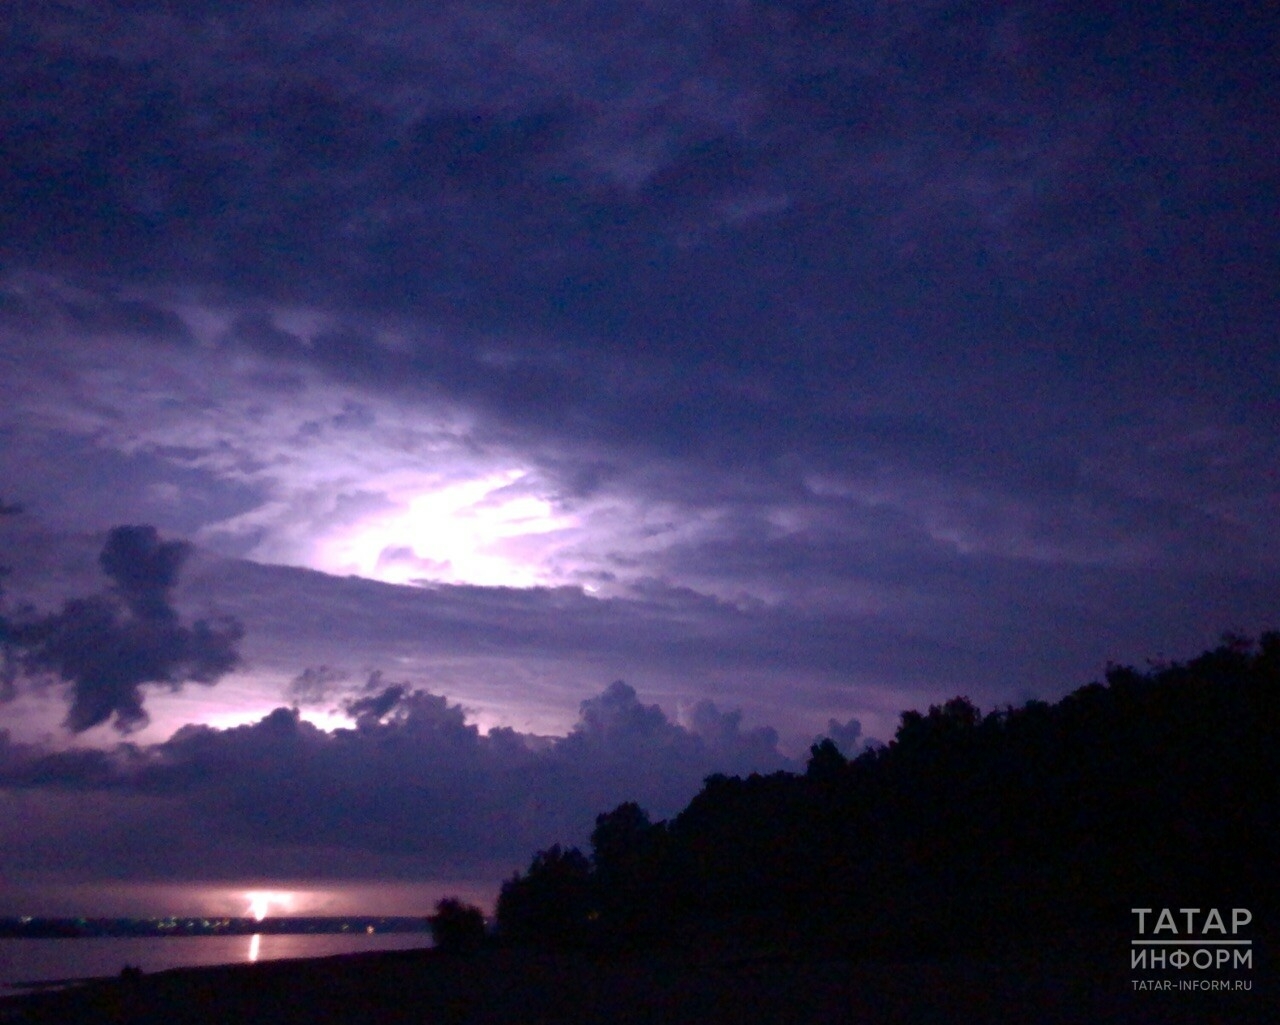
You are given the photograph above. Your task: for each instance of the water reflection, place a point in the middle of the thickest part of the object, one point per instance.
(85, 957)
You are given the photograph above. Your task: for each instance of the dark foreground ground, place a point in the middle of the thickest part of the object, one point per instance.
(1083, 985)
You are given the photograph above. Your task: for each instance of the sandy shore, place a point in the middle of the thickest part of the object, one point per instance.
(510, 986)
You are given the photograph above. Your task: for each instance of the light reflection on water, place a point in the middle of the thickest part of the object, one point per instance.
(26, 960)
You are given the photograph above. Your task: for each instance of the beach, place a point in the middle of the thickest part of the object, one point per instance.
(509, 986)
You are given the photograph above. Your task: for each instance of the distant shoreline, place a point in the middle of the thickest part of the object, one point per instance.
(43, 985)
(30, 927)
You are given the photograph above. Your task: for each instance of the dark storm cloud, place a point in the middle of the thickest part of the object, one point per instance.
(413, 785)
(368, 711)
(678, 629)
(144, 570)
(315, 685)
(108, 647)
(939, 334)
(958, 240)
(720, 185)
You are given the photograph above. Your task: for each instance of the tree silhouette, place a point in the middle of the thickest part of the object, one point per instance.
(825, 761)
(1156, 787)
(629, 858)
(457, 928)
(552, 904)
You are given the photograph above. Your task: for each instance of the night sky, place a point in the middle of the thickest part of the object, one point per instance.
(554, 403)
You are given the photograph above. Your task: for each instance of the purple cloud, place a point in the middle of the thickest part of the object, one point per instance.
(108, 647)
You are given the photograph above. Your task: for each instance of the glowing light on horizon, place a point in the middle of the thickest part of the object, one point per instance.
(255, 943)
(262, 901)
(469, 532)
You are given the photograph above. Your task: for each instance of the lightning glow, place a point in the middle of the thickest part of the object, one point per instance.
(262, 901)
(487, 531)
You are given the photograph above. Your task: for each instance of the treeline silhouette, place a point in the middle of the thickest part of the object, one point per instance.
(1157, 788)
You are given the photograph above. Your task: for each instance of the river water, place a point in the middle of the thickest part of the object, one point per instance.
(27, 960)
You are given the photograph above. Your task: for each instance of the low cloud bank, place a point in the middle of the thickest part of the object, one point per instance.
(410, 790)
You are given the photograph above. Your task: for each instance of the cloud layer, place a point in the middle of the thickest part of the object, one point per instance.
(761, 271)
(411, 790)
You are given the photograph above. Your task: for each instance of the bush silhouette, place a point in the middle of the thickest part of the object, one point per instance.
(457, 928)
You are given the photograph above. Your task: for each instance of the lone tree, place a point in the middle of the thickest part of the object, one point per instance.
(457, 928)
